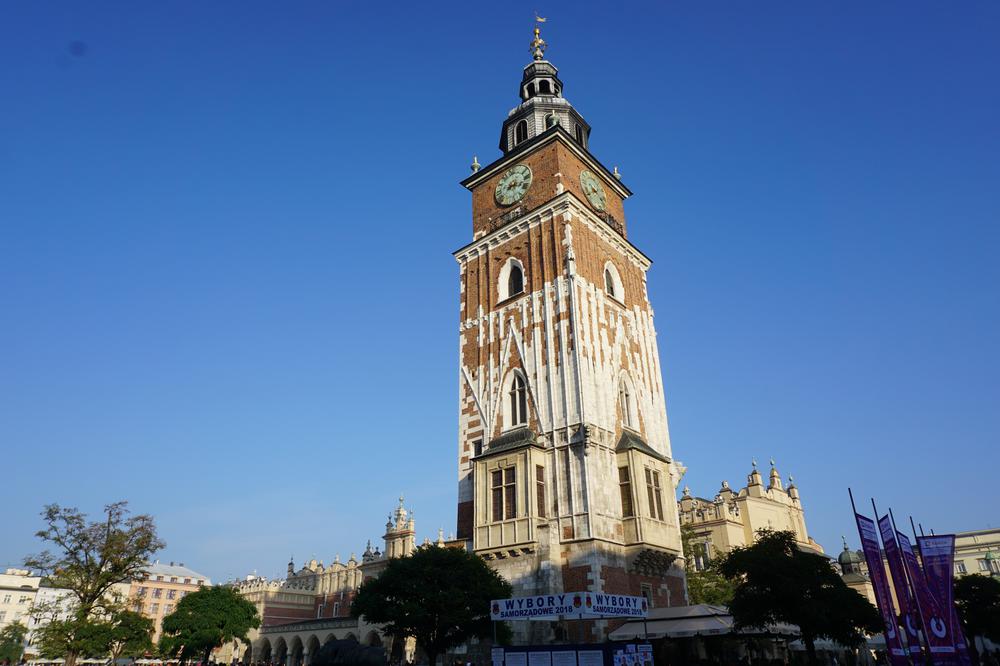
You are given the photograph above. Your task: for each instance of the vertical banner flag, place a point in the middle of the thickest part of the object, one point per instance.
(936, 630)
(876, 571)
(907, 607)
(938, 556)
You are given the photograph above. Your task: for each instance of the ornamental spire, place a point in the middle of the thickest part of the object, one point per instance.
(538, 44)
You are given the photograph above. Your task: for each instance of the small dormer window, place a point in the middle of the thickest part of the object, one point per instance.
(520, 132)
(579, 135)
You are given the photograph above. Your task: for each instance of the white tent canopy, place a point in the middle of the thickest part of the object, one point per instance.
(688, 621)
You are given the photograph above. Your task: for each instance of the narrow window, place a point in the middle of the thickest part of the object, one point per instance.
(609, 283)
(531, 90)
(509, 494)
(540, 489)
(625, 488)
(520, 132)
(496, 484)
(515, 283)
(647, 593)
(625, 400)
(336, 609)
(653, 494)
(518, 401)
(477, 447)
(579, 135)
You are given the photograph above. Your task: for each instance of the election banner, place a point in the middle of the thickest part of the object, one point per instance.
(936, 630)
(568, 605)
(907, 607)
(938, 556)
(873, 555)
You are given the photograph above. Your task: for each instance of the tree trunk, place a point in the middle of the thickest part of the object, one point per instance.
(204, 658)
(810, 649)
(70, 658)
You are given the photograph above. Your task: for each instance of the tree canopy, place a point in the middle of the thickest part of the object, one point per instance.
(205, 620)
(88, 560)
(977, 598)
(440, 596)
(777, 582)
(12, 642)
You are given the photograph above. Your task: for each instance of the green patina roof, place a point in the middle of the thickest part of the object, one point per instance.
(631, 440)
(509, 441)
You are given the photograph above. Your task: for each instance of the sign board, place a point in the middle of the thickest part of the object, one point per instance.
(568, 605)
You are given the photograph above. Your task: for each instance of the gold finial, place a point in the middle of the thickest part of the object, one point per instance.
(475, 164)
(538, 44)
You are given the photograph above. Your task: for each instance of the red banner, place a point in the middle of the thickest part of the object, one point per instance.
(938, 555)
(907, 607)
(876, 571)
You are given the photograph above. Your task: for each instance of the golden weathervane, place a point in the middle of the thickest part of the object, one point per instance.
(538, 44)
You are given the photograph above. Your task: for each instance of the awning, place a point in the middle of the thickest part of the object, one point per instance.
(688, 621)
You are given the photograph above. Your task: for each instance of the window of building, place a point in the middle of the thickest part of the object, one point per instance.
(137, 607)
(157, 593)
(336, 609)
(504, 494)
(646, 590)
(544, 88)
(171, 594)
(520, 132)
(550, 120)
(3, 615)
(167, 608)
(6, 598)
(625, 488)
(613, 282)
(173, 579)
(477, 447)
(201, 581)
(960, 568)
(540, 489)
(984, 565)
(187, 581)
(515, 281)
(159, 578)
(653, 493)
(518, 395)
(141, 592)
(24, 600)
(625, 400)
(609, 283)
(154, 608)
(579, 135)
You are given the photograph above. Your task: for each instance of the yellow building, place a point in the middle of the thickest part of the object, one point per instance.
(157, 593)
(733, 517)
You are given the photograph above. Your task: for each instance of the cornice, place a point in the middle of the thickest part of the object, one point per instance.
(571, 209)
(554, 133)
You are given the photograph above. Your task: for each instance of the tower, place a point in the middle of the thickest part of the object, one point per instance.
(565, 472)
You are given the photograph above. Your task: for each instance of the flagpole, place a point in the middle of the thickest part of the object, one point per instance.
(911, 585)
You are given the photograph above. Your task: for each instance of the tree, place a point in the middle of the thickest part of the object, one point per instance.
(777, 582)
(90, 559)
(205, 620)
(130, 635)
(707, 586)
(978, 600)
(12, 642)
(439, 596)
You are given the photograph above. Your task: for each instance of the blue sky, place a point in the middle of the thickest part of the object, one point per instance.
(227, 295)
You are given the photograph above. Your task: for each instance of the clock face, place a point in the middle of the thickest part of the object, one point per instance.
(513, 185)
(592, 188)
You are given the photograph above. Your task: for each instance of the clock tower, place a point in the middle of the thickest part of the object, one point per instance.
(566, 478)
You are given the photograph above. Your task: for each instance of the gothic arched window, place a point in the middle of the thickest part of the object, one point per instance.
(609, 282)
(613, 283)
(520, 132)
(518, 395)
(625, 400)
(515, 283)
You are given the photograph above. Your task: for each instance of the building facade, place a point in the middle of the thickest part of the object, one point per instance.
(566, 478)
(732, 517)
(18, 589)
(157, 593)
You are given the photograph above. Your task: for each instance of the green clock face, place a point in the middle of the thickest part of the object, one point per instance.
(513, 185)
(592, 188)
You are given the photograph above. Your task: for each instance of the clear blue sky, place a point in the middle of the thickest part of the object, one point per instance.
(227, 293)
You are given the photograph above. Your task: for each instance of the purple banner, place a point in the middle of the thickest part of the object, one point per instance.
(938, 556)
(907, 608)
(876, 571)
(937, 630)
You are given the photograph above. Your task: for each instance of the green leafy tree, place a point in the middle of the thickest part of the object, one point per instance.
(777, 582)
(205, 620)
(978, 600)
(89, 559)
(12, 642)
(707, 586)
(130, 635)
(439, 596)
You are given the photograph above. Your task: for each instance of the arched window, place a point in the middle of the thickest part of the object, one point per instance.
(609, 282)
(518, 395)
(613, 282)
(531, 90)
(520, 132)
(550, 120)
(544, 88)
(515, 283)
(625, 400)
